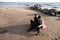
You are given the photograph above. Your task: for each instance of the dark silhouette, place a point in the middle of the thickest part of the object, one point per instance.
(39, 23)
(34, 24)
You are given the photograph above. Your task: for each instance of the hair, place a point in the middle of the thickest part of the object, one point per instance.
(39, 16)
(35, 14)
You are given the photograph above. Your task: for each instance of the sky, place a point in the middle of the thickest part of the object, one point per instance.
(29, 0)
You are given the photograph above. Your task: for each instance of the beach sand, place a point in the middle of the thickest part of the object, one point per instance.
(16, 20)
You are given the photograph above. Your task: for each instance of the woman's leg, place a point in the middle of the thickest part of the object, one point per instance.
(38, 30)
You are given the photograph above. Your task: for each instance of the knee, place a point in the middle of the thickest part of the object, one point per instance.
(31, 20)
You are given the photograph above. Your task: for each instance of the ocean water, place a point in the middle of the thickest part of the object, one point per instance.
(16, 4)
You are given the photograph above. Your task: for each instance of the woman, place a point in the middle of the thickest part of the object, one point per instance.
(40, 24)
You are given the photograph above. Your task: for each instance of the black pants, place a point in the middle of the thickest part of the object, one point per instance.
(33, 25)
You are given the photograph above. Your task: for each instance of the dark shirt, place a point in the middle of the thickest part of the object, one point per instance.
(35, 19)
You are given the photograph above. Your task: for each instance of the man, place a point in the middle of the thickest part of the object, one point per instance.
(34, 23)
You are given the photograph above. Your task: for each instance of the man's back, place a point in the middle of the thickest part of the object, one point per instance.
(35, 19)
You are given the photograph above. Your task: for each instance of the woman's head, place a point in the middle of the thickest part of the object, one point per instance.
(39, 16)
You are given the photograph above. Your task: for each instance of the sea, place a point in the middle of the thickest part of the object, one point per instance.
(18, 4)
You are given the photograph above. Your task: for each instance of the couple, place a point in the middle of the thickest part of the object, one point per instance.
(37, 23)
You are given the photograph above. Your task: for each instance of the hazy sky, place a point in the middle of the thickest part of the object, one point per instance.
(29, 0)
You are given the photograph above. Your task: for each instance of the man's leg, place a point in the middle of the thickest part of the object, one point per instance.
(32, 22)
(32, 25)
(30, 29)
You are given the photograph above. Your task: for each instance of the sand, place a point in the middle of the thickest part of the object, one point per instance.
(16, 20)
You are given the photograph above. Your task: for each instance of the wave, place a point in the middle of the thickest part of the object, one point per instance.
(5, 4)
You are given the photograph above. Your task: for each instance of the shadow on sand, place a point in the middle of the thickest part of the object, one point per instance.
(19, 29)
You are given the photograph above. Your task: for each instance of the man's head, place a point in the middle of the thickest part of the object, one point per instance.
(36, 15)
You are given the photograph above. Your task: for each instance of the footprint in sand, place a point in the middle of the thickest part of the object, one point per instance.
(52, 39)
(42, 34)
(55, 39)
(47, 35)
(59, 37)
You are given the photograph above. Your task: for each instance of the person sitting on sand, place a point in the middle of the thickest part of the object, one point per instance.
(33, 23)
(40, 24)
(36, 19)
